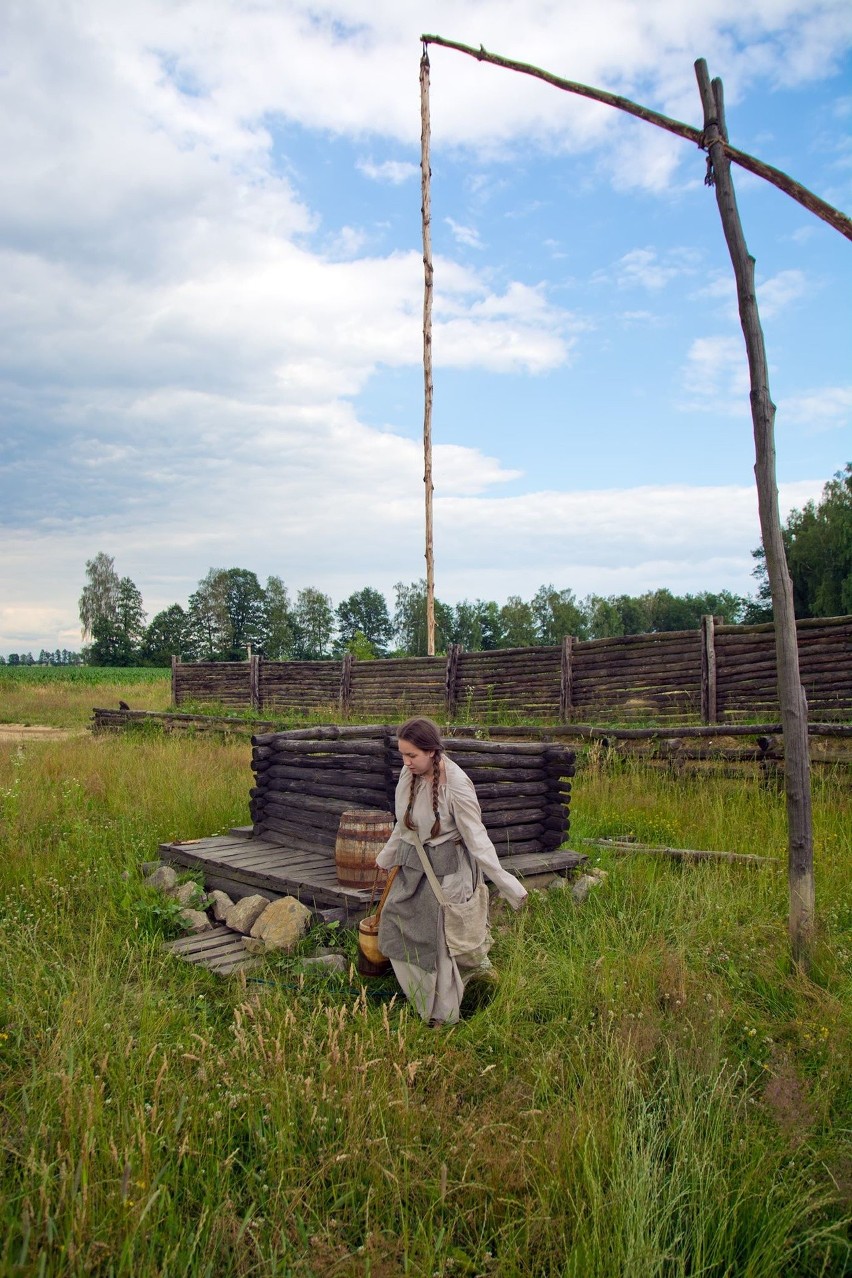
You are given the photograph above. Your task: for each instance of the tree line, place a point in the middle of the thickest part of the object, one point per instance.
(230, 613)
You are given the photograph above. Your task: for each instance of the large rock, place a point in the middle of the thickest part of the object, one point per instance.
(219, 903)
(186, 893)
(195, 921)
(163, 878)
(243, 915)
(280, 926)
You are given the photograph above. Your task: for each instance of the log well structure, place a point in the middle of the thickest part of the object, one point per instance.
(717, 674)
(307, 778)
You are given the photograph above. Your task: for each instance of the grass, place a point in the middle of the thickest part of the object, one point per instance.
(650, 1090)
(64, 696)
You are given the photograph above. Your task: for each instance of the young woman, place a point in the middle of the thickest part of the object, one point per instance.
(435, 798)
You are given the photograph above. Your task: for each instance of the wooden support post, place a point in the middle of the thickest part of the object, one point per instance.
(791, 694)
(566, 688)
(346, 683)
(708, 670)
(175, 664)
(254, 680)
(452, 679)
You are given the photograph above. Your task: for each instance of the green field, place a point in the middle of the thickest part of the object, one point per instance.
(649, 1090)
(64, 696)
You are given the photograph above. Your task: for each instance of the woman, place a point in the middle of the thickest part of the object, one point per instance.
(435, 798)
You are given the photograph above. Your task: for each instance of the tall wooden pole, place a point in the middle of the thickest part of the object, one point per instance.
(791, 694)
(426, 211)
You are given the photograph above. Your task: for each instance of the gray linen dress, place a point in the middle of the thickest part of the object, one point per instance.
(411, 932)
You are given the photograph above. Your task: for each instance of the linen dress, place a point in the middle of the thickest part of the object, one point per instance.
(411, 930)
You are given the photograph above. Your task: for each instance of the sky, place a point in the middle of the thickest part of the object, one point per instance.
(210, 319)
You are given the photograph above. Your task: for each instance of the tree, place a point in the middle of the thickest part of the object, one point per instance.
(244, 614)
(207, 616)
(517, 623)
(166, 636)
(314, 624)
(409, 620)
(99, 598)
(557, 614)
(365, 612)
(279, 635)
(477, 626)
(818, 544)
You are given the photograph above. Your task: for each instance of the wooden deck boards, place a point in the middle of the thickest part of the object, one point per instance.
(220, 950)
(240, 865)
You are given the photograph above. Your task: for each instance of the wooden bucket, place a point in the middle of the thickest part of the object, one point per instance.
(361, 836)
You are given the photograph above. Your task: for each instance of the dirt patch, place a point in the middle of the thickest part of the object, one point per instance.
(36, 732)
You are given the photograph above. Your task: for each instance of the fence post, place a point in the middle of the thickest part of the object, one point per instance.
(708, 670)
(254, 680)
(452, 679)
(346, 683)
(566, 683)
(175, 664)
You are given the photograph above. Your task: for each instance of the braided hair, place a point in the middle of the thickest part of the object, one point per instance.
(425, 735)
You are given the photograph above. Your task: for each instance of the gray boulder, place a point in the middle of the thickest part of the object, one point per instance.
(244, 913)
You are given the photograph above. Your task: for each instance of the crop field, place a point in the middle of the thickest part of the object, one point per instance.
(649, 1089)
(64, 696)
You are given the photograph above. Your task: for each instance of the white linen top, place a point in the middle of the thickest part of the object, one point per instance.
(460, 813)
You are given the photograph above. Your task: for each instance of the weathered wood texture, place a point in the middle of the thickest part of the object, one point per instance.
(718, 674)
(304, 783)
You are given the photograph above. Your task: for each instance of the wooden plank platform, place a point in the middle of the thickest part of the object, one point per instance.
(241, 865)
(220, 950)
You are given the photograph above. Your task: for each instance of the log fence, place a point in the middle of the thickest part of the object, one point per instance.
(715, 675)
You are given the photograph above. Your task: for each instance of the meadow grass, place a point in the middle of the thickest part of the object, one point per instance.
(64, 696)
(650, 1089)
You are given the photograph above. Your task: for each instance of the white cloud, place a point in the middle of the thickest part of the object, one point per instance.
(715, 376)
(466, 235)
(393, 171)
(827, 408)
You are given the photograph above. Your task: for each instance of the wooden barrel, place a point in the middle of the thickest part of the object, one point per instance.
(361, 836)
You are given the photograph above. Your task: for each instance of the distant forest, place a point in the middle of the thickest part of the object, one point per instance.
(231, 613)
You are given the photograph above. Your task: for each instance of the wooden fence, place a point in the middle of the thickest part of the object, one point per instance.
(717, 674)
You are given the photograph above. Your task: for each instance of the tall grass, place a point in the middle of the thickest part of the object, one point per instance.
(64, 696)
(651, 1089)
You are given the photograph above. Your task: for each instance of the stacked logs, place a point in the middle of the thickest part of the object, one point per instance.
(298, 685)
(306, 779)
(393, 687)
(746, 672)
(225, 682)
(652, 674)
(518, 679)
(524, 790)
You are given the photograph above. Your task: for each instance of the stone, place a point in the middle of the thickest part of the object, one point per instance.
(163, 878)
(244, 913)
(148, 867)
(582, 887)
(334, 962)
(195, 921)
(559, 884)
(186, 893)
(219, 903)
(281, 924)
(600, 875)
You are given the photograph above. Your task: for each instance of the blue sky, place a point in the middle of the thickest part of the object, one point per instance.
(210, 239)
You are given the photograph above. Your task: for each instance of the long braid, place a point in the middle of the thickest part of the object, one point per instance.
(436, 777)
(408, 819)
(409, 822)
(424, 734)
